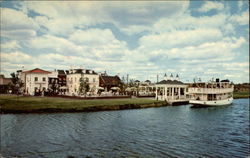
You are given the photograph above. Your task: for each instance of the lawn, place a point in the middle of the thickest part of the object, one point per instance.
(241, 95)
(22, 104)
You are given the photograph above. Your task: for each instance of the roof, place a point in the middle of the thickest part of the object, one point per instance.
(81, 71)
(170, 82)
(147, 81)
(61, 72)
(137, 81)
(37, 70)
(226, 80)
(110, 80)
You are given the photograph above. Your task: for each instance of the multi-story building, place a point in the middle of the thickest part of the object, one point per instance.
(62, 82)
(107, 82)
(53, 86)
(73, 80)
(35, 81)
(4, 84)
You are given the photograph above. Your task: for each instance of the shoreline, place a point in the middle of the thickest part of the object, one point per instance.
(15, 104)
(46, 105)
(88, 109)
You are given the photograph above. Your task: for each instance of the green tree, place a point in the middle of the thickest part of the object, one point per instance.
(84, 86)
(54, 86)
(16, 85)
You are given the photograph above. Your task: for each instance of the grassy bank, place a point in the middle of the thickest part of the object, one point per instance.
(238, 95)
(14, 104)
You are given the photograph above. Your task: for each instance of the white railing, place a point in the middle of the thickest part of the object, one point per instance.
(210, 90)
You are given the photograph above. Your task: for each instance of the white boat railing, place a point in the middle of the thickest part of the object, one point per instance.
(210, 90)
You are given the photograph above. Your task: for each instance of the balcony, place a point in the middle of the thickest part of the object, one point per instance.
(209, 90)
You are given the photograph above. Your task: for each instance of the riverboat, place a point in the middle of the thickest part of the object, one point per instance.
(213, 93)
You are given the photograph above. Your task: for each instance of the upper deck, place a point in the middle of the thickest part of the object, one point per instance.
(211, 88)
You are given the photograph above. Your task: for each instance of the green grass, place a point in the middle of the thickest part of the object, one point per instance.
(241, 95)
(39, 103)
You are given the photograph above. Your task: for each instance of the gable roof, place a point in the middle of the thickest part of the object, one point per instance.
(110, 80)
(170, 82)
(37, 70)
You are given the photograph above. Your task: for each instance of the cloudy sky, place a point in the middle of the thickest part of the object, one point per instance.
(202, 39)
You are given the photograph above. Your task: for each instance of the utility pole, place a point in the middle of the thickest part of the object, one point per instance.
(127, 78)
(157, 78)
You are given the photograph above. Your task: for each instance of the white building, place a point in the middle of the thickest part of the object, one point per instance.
(35, 80)
(171, 90)
(73, 80)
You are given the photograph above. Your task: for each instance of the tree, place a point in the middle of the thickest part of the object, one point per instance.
(84, 86)
(17, 84)
(54, 86)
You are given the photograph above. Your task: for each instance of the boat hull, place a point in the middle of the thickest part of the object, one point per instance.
(212, 103)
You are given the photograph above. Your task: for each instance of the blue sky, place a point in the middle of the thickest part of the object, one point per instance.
(195, 39)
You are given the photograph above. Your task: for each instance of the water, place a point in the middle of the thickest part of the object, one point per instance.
(178, 131)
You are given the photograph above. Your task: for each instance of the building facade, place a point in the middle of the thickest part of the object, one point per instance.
(35, 81)
(4, 84)
(171, 90)
(107, 82)
(73, 80)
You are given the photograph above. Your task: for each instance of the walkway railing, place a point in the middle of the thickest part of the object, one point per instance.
(210, 90)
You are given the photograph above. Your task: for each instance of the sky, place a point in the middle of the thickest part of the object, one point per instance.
(194, 39)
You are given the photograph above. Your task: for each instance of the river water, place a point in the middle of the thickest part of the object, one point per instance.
(174, 131)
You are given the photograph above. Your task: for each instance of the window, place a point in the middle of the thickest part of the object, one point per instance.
(36, 78)
(44, 79)
(93, 79)
(87, 79)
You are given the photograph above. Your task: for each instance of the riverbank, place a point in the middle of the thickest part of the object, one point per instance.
(238, 95)
(29, 104)
(21, 104)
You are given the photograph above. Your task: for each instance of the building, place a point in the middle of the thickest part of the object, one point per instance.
(62, 81)
(107, 82)
(146, 88)
(171, 90)
(73, 80)
(35, 81)
(4, 84)
(53, 85)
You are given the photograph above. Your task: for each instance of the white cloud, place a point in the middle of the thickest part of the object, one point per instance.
(16, 57)
(15, 24)
(83, 33)
(180, 38)
(56, 44)
(11, 45)
(93, 37)
(210, 5)
(242, 19)
(62, 17)
(187, 22)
